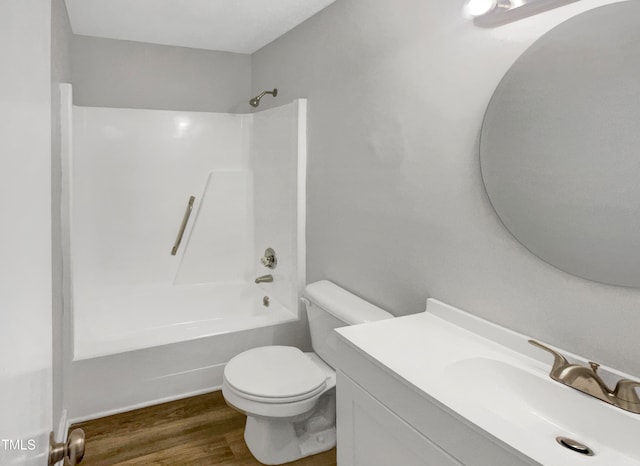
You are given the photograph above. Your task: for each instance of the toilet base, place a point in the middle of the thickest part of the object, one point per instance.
(277, 441)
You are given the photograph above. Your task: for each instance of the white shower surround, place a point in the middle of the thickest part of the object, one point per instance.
(148, 326)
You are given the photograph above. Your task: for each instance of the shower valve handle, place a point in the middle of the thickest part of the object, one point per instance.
(269, 260)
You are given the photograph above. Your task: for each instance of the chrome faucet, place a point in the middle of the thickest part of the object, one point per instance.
(265, 279)
(587, 380)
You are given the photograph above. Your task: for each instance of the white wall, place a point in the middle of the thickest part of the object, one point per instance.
(121, 73)
(396, 206)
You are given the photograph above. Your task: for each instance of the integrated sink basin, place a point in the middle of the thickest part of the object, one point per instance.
(493, 380)
(528, 403)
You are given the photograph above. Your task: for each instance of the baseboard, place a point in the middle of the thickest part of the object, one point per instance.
(142, 405)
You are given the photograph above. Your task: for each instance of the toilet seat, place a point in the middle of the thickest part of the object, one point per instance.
(274, 374)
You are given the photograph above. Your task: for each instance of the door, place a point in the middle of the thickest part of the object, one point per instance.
(25, 232)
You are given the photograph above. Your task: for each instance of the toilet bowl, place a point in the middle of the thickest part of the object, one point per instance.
(287, 395)
(279, 389)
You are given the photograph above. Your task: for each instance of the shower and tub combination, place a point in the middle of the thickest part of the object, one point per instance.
(184, 247)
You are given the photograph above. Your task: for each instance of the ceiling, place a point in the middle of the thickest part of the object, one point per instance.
(241, 26)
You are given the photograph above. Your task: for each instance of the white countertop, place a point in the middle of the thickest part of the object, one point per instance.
(498, 382)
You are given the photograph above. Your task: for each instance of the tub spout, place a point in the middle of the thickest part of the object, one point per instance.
(264, 279)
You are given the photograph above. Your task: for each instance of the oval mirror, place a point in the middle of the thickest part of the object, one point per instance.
(560, 146)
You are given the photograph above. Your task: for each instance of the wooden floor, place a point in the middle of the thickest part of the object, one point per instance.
(201, 430)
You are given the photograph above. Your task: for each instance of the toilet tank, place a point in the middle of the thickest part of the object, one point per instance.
(329, 307)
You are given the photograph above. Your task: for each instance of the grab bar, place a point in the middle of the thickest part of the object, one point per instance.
(185, 220)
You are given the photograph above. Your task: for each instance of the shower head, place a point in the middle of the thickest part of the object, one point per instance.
(256, 100)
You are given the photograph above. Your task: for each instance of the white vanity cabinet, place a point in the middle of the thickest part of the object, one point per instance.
(385, 419)
(372, 435)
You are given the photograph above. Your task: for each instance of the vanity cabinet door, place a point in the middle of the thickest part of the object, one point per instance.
(369, 434)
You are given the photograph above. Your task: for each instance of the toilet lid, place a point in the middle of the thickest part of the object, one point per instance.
(274, 372)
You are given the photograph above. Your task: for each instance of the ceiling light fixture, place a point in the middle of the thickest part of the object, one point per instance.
(475, 8)
(492, 13)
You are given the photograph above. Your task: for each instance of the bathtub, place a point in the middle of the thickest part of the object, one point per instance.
(143, 326)
(128, 320)
(189, 362)
(165, 343)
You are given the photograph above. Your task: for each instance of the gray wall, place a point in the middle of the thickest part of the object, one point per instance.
(119, 73)
(396, 206)
(60, 73)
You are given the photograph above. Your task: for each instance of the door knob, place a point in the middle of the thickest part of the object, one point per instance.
(73, 450)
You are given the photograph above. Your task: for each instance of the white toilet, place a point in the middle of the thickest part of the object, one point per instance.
(287, 395)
